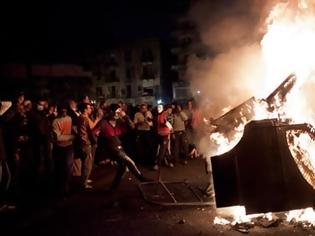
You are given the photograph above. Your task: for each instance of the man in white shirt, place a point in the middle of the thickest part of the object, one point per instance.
(143, 121)
(63, 149)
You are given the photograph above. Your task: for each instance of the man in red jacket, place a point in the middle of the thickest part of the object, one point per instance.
(164, 129)
(111, 128)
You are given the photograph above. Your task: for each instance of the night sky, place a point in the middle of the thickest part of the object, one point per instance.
(61, 30)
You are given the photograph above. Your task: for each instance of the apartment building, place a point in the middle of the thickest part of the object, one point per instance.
(132, 72)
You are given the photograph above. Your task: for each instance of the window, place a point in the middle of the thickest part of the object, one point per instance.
(123, 92)
(99, 91)
(182, 92)
(128, 91)
(148, 92)
(127, 56)
(147, 55)
(139, 90)
(148, 72)
(112, 93)
(130, 73)
(112, 77)
(113, 60)
(98, 74)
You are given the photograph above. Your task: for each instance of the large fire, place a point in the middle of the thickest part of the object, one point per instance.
(287, 47)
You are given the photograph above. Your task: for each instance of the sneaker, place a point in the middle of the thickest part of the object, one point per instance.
(171, 165)
(155, 167)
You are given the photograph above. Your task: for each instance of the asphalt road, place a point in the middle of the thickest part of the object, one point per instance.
(124, 211)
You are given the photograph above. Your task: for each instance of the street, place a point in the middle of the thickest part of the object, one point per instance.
(124, 211)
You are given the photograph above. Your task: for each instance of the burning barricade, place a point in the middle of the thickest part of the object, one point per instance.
(269, 168)
(264, 160)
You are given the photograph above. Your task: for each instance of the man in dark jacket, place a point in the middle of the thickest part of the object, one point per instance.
(86, 141)
(111, 128)
(42, 137)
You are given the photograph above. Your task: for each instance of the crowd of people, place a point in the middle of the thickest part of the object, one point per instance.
(48, 144)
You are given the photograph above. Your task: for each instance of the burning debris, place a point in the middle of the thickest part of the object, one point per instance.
(278, 97)
(259, 172)
(230, 126)
(239, 221)
(264, 157)
(300, 142)
(267, 168)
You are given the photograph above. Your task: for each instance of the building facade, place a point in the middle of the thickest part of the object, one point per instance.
(57, 81)
(186, 42)
(131, 72)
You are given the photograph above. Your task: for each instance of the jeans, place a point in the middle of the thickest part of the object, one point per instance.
(163, 148)
(123, 162)
(144, 146)
(180, 145)
(87, 163)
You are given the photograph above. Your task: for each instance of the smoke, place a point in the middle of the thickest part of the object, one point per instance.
(231, 30)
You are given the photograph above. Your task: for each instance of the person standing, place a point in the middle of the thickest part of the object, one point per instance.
(63, 149)
(164, 129)
(179, 138)
(74, 114)
(86, 141)
(42, 141)
(192, 125)
(143, 121)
